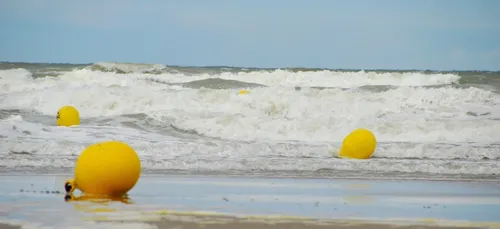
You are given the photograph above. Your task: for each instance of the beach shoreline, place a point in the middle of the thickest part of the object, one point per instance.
(165, 201)
(212, 222)
(321, 174)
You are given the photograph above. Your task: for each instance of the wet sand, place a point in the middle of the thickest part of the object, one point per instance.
(163, 201)
(244, 224)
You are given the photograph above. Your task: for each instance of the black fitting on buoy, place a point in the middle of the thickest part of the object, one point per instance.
(68, 187)
(67, 198)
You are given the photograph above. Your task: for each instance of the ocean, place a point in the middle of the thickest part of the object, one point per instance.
(191, 120)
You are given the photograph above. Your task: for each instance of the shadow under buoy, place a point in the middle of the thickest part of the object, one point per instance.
(98, 198)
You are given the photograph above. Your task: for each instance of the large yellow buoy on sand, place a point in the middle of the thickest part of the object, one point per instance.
(359, 144)
(110, 168)
(68, 116)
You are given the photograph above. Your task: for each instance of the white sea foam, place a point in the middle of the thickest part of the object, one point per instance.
(283, 77)
(11, 78)
(325, 78)
(127, 67)
(276, 113)
(37, 145)
(439, 124)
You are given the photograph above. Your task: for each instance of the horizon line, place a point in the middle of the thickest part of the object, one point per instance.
(262, 68)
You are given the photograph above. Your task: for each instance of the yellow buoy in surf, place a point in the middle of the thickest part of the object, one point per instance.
(68, 116)
(243, 91)
(359, 144)
(110, 168)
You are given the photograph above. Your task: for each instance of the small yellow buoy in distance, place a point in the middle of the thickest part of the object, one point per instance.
(243, 91)
(359, 144)
(110, 168)
(67, 116)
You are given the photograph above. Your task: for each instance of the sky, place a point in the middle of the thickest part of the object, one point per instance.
(348, 34)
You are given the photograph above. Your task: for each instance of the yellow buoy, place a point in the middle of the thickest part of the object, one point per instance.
(243, 91)
(110, 168)
(359, 144)
(67, 116)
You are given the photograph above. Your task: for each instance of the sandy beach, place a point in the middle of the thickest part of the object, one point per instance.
(166, 201)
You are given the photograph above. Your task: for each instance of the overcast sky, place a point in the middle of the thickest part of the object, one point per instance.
(361, 34)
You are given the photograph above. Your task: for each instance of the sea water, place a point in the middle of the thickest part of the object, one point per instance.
(292, 122)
